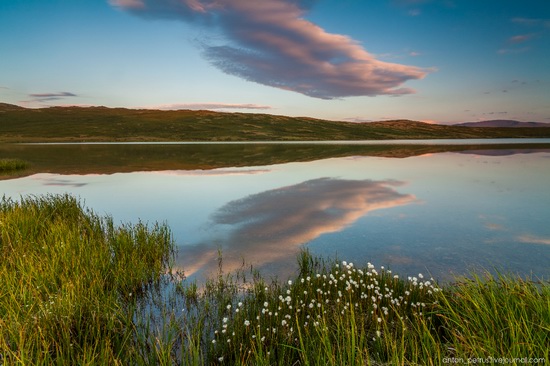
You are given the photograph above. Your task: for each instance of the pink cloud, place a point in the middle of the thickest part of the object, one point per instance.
(521, 38)
(209, 106)
(506, 51)
(128, 4)
(269, 42)
(268, 228)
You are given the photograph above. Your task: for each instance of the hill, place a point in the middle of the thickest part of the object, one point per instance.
(9, 107)
(97, 124)
(503, 123)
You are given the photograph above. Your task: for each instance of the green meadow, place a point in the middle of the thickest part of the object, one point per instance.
(78, 289)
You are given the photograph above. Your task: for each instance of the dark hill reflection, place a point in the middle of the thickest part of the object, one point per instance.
(119, 158)
(268, 228)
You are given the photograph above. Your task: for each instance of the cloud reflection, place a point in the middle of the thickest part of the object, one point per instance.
(54, 180)
(210, 172)
(268, 228)
(532, 239)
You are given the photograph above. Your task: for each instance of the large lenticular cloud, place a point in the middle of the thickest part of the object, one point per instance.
(269, 42)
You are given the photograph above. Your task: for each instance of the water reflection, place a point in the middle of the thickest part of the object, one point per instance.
(480, 210)
(532, 239)
(268, 228)
(59, 182)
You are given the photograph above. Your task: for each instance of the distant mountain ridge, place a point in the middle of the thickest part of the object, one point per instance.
(503, 123)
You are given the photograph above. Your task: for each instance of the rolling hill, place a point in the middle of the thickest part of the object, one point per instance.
(101, 124)
(503, 123)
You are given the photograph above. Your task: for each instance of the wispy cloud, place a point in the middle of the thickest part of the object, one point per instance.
(400, 55)
(511, 51)
(539, 25)
(415, 6)
(410, 2)
(494, 113)
(521, 38)
(532, 22)
(52, 95)
(269, 42)
(355, 119)
(199, 106)
(44, 97)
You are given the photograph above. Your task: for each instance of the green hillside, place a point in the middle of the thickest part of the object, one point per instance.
(62, 124)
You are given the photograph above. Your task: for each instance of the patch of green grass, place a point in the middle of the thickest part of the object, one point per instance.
(78, 290)
(497, 315)
(12, 165)
(69, 281)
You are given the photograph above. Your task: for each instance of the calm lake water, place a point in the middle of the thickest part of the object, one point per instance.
(441, 214)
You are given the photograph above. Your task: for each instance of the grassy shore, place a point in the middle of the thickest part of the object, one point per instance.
(69, 280)
(78, 290)
(12, 165)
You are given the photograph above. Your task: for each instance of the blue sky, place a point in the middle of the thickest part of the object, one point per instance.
(356, 60)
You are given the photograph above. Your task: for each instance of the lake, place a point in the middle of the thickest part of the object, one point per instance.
(437, 208)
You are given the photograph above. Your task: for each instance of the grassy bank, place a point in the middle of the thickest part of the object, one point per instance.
(79, 290)
(12, 165)
(338, 313)
(69, 280)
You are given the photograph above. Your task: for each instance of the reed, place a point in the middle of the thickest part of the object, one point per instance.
(12, 165)
(70, 279)
(489, 315)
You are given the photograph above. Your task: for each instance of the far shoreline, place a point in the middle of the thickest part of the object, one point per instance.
(457, 141)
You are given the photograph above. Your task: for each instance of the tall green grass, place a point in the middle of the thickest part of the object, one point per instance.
(78, 290)
(69, 278)
(12, 165)
(497, 315)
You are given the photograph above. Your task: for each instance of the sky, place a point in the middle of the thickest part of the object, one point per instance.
(443, 61)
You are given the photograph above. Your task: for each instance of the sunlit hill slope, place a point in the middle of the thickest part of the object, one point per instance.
(64, 124)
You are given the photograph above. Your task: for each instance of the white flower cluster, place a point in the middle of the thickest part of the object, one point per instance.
(377, 295)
